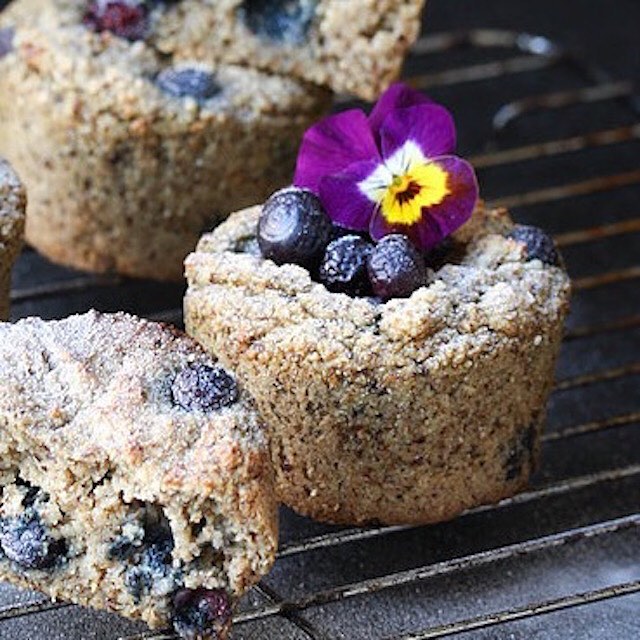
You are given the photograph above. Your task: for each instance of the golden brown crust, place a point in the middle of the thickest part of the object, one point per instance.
(409, 411)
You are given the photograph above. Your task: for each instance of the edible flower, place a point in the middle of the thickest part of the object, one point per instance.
(392, 171)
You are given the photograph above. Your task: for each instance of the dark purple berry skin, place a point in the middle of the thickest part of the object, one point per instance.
(25, 540)
(188, 82)
(203, 388)
(124, 18)
(201, 613)
(6, 41)
(540, 246)
(294, 228)
(344, 267)
(396, 268)
(281, 21)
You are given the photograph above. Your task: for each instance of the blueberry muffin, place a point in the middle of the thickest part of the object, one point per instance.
(129, 153)
(134, 472)
(352, 47)
(12, 206)
(399, 387)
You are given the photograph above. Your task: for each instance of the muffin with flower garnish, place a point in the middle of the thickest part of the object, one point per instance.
(398, 336)
(129, 152)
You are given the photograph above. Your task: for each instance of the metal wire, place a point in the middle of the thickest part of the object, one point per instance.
(529, 611)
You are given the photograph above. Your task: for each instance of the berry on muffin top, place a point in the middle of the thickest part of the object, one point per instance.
(377, 198)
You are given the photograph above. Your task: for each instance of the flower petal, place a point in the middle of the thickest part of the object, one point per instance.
(429, 126)
(344, 200)
(441, 220)
(333, 144)
(397, 96)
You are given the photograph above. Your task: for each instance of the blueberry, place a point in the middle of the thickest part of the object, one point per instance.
(125, 18)
(121, 548)
(157, 556)
(281, 21)
(26, 541)
(6, 41)
(188, 82)
(201, 613)
(540, 246)
(139, 582)
(344, 267)
(396, 267)
(199, 387)
(294, 228)
(152, 572)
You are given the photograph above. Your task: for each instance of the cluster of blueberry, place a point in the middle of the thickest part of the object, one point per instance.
(148, 552)
(150, 561)
(295, 229)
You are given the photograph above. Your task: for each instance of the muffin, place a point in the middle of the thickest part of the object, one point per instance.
(128, 153)
(350, 47)
(398, 336)
(354, 47)
(12, 205)
(134, 473)
(405, 411)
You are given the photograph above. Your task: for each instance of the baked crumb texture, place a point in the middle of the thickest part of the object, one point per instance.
(354, 46)
(122, 176)
(12, 206)
(349, 46)
(127, 497)
(405, 412)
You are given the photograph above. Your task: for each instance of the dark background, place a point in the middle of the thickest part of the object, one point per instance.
(606, 32)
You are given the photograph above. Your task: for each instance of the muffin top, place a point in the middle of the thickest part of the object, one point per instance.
(489, 278)
(138, 394)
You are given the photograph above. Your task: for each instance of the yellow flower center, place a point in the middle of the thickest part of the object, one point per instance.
(424, 185)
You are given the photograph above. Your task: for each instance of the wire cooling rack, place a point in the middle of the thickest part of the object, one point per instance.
(558, 143)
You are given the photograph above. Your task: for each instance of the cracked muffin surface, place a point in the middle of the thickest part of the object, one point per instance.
(410, 410)
(12, 207)
(130, 153)
(134, 472)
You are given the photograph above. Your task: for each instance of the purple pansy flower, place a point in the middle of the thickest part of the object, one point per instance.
(390, 172)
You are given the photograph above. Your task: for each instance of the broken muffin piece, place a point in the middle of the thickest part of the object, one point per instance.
(134, 472)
